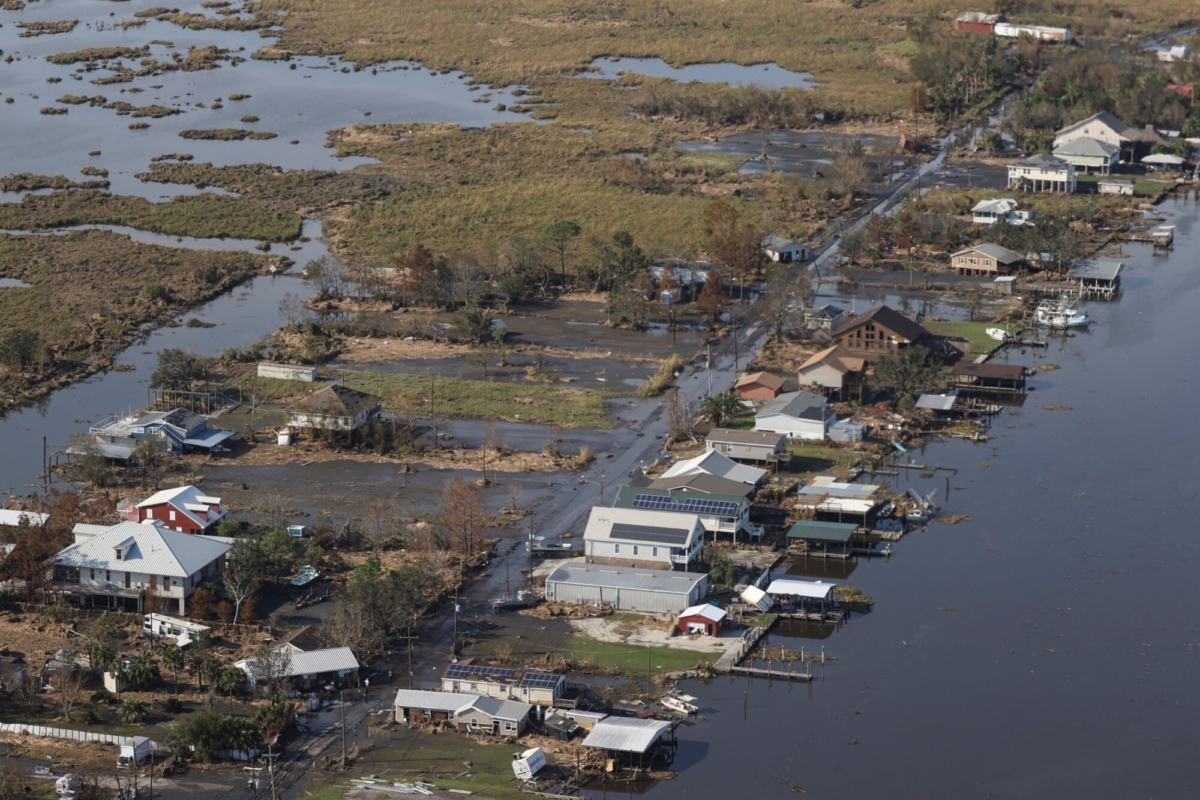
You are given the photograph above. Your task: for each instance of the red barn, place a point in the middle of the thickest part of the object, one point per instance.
(185, 509)
(977, 22)
(707, 620)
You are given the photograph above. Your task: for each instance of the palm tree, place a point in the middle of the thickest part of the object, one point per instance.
(231, 680)
(241, 734)
(143, 670)
(132, 711)
(720, 408)
(172, 657)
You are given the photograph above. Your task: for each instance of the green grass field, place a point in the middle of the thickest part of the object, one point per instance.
(439, 759)
(973, 332)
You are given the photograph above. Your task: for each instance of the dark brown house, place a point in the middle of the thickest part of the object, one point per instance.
(880, 330)
(988, 377)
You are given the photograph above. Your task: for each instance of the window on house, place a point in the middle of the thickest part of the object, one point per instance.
(120, 554)
(654, 551)
(635, 549)
(172, 516)
(93, 574)
(107, 576)
(616, 548)
(974, 260)
(149, 513)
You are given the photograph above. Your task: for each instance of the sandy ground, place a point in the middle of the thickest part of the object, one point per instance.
(305, 453)
(30, 634)
(616, 630)
(783, 358)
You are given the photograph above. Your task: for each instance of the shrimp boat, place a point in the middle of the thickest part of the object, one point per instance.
(1060, 316)
(680, 703)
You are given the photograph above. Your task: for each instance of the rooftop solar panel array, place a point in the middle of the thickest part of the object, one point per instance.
(661, 502)
(478, 671)
(649, 533)
(539, 680)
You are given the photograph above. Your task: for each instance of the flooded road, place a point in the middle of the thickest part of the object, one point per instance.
(1046, 648)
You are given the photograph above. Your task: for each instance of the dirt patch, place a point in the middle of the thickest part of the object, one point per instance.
(63, 753)
(650, 631)
(566, 611)
(305, 453)
(782, 358)
(31, 634)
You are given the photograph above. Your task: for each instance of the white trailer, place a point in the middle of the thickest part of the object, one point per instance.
(134, 751)
(182, 631)
(527, 764)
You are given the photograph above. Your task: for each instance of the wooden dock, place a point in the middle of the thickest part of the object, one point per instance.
(775, 673)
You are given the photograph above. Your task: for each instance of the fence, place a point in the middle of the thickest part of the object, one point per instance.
(68, 733)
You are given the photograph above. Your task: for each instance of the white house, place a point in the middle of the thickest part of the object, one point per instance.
(783, 250)
(719, 465)
(1001, 209)
(718, 513)
(1042, 173)
(1116, 186)
(1089, 154)
(642, 538)
(801, 415)
(337, 408)
(537, 687)
(312, 667)
(129, 564)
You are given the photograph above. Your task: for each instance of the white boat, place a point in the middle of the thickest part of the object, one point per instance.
(999, 334)
(680, 703)
(1061, 316)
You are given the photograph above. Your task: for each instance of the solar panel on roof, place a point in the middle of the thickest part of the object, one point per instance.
(649, 533)
(479, 670)
(539, 680)
(659, 502)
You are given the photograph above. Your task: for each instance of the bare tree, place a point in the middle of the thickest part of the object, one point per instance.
(782, 301)
(514, 494)
(680, 416)
(381, 525)
(273, 510)
(244, 572)
(67, 685)
(270, 666)
(464, 515)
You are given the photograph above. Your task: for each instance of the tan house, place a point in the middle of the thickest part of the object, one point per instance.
(336, 408)
(880, 330)
(986, 259)
(834, 370)
(758, 386)
(748, 445)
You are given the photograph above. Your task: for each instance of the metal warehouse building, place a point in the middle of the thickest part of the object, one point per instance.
(649, 591)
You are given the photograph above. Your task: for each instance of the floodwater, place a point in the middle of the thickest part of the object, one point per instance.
(802, 153)
(1047, 647)
(766, 76)
(300, 103)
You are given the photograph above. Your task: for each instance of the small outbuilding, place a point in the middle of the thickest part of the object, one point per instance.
(1099, 278)
(782, 250)
(1110, 185)
(287, 372)
(707, 620)
(758, 386)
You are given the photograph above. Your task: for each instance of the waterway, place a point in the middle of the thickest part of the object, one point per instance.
(1047, 647)
(766, 76)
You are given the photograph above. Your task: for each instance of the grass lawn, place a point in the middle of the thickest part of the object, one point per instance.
(809, 460)
(464, 399)
(974, 332)
(440, 760)
(631, 659)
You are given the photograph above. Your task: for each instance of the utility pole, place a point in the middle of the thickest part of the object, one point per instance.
(342, 698)
(454, 639)
(708, 365)
(649, 687)
(735, 346)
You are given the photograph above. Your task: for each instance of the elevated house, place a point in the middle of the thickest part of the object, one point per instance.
(643, 537)
(185, 509)
(720, 465)
(1106, 127)
(130, 565)
(728, 514)
(1000, 209)
(178, 431)
(756, 446)
(835, 371)
(988, 378)
(880, 330)
(702, 483)
(645, 590)
(1099, 278)
(1089, 155)
(987, 259)
(799, 415)
(334, 408)
(536, 687)
(784, 251)
(1042, 173)
(758, 386)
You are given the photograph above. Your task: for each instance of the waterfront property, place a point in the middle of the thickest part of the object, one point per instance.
(185, 509)
(644, 537)
(880, 330)
(493, 715)
(985, 259)
(1122, 186)
(757, 446)
(178, 431)
(10, 518)
(631, 741)
(704, 484)
(821, 539)
(1042, 173)
(836, 371)
(1099, 278)
(718, 464)
(784, 251)
(989, 378)
(1000, 209)
(939, 405)
(647, 591)
(1089, 154)
(126, 566)
(706, 620)
(758, 386)
(805, 598)
(334, 408)
(799, 415)
(718, 513)
(308, 669)
(536, 687)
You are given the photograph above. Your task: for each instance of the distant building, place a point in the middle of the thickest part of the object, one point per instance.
(703, 483)
(834, 370)
(310, 668)
(337, 408)
(176, 431)
(1177, 52)
(1042, 173)
(1123, 186)
(799, 415)
(644, 538)
(287, 372)
(1106, 127)
(824, 317)
(1099, 278)
(988, 378)
(1041, 33)
(758, 386)
(10, 518)
(784, 251)
(720, 465)
(880, 330)
(1089, 154)
(977, 22)
(985, 259)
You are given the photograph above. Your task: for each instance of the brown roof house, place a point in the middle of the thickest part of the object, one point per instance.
(880, 330)
(335, 408)
(758, 386)
(834, 370)
(986, 259)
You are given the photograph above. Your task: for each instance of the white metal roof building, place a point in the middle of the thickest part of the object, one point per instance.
(10, 517)
(713, 463)
(642, 537)
(648, 591)
(311, 664)
(626, 734)
(429, 704)
(809, 590)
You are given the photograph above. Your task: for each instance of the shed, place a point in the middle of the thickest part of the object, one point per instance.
(977, 22)
(287, 372)
(1005, 284)
(648, 591)
(754, 596)
(758, 386)
(784, 250)
(706, 619)
(764, 446)
(1123, 186)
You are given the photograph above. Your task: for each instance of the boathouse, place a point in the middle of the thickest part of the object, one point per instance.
(987, 378)
(1099, 278)
(802, 596)
(630, 741)
(821, 539)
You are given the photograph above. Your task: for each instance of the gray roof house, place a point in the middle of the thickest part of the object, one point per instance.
(988, 259)
(646, 537)
(1089, 154)
(1042, 173)
(646, 590)
(748, 445)
(783, 250)
(800, 415)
